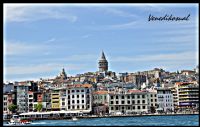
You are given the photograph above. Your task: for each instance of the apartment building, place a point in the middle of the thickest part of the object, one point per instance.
(8, 99)
(79, 97)
(100, 102)
(55, 100)
(165, 100)
(128, 101)
(23, 99)
(187, 94)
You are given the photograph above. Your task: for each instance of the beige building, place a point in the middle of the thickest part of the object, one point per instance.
(128, 101)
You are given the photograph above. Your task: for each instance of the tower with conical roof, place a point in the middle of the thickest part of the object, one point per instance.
(103, 63)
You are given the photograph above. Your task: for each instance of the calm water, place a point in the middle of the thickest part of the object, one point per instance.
(185, 120)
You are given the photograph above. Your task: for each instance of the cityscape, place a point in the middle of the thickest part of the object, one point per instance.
(163, 86)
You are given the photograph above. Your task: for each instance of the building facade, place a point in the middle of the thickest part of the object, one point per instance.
(187, 95)
(131, 101)
(165, 100)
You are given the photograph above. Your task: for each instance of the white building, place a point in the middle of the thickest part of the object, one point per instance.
(165, 100)
(76, 97)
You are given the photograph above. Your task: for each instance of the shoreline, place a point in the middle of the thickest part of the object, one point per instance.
(110, 116)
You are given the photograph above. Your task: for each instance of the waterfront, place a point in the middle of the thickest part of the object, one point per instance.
(183, 120)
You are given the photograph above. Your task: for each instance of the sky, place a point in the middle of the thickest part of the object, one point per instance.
(41, 39)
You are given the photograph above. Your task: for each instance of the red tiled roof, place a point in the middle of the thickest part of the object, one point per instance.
(183, 83)
(135, 91)
(80, 85)
(100, 92)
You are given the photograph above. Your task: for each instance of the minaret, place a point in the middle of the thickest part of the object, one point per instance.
(103, 63)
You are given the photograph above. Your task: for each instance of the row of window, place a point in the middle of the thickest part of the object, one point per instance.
(78, 107)
(128, 102)
(129, 107)
(77, 91)
(128, 96)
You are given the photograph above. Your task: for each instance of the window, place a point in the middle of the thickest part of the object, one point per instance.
(138, 107)
(77, 101)
(128, 96)
(117, 97)
(72, 91)
(111, 102)
(155, 100)
(129, 107)
(133, 107)
(77, 96)
(72, 96)
(73, 107)
(63, 103)
(151, 100)
(72, 101)
(133, 96)
(111, 97)
(82, 95)
(63, 99)
(83, 107)
(111, 108)
(133, 102)
(138, 96)
(155, 95)
(151, 104)
(117, 102)
(77, 91)
(82, 90)
(77, 106)
(138, 101)
(122, 102)
(128, 102)
(117, 108)
(151, 95)
(143, 107)
(143, 96)
(143, 101)
(68, 91)
(122, 96)
(68, 97)
(82, 101)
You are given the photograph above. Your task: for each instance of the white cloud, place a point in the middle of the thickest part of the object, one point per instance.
(16, 48)
(40, 68)
(124, 26)
(118, 12)
(34, 12)
(183, 56)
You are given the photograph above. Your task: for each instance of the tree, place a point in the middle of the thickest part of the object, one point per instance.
(152, 109)
(12, 108)
(38, 107)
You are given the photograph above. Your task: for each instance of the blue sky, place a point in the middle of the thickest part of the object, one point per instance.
(41, 39)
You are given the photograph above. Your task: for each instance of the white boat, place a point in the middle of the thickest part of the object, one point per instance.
(74, 118)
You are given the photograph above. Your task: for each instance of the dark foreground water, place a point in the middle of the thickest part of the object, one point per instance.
(184, 120)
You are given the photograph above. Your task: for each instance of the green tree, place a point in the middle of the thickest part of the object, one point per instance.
(38, 107)
(12, 108)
